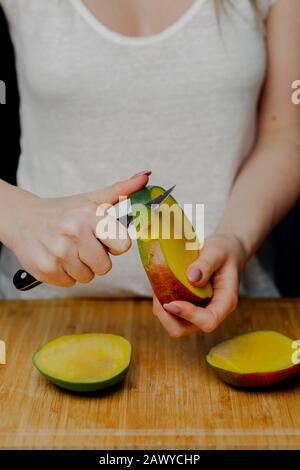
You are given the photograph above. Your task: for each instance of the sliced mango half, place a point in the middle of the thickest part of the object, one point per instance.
(256, 359)
(85, 362)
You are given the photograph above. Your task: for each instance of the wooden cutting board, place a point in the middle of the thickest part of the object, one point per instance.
(170, 398)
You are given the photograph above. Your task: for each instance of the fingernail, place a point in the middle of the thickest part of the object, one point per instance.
(194, 274)
(172, 308)
(142, 173)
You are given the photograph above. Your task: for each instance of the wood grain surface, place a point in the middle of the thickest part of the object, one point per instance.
(170, 398)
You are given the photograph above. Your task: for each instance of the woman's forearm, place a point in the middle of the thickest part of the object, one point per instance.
(265, 189)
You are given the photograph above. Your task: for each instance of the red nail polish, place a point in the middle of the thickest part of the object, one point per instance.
(142, 173)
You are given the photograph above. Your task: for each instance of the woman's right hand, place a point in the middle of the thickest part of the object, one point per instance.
(54, 239)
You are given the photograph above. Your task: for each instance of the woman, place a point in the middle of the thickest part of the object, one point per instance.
(174, 85)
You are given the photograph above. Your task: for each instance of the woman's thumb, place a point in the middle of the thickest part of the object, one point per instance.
(200, 271)
(112, 194)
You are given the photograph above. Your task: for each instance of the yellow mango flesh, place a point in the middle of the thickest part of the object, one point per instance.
(256, 352)
(84, 358)
(176, 251)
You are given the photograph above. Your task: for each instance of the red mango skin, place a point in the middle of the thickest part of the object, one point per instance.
(257, 379)
(164, 284)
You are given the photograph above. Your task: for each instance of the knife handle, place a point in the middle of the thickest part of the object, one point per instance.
(24, 281)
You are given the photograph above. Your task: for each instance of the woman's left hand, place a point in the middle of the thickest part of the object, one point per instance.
(221, 261)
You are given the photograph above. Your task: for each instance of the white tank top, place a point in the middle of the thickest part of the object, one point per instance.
(97, 106)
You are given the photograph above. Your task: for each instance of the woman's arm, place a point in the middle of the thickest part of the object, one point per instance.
(269, 183)
(264, 190)
(55, 238)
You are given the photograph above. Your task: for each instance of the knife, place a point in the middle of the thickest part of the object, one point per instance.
(24, 281)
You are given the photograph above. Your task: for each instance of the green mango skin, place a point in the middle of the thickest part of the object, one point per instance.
(143, 196)
(165, 285)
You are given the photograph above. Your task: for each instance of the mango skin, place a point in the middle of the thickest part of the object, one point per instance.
(257, 379)
(164, 283)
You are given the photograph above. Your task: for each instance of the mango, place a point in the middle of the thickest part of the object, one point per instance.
(85, 362)
(166, 254)
(257, 359)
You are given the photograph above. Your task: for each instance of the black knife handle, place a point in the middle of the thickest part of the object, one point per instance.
(24, 281)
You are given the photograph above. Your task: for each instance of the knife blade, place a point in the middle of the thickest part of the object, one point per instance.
(127, 219)
(24, 281)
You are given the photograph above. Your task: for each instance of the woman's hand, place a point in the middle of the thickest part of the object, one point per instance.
(54, 239)
(221, 261)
